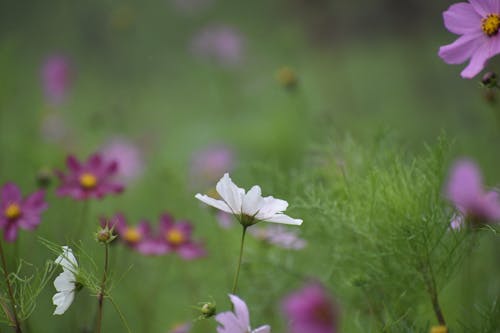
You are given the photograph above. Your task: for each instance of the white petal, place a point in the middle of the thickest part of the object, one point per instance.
(62, 300)
(262, 329)
(241, 310)
(219, 204)
(285, 219)
(271, 207)
(65, 281)
(252, 201)
(67, 260)
(230, 193)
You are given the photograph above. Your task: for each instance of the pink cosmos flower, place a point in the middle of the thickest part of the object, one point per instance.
(477, 23)
(465, 190)
(127, 155)
(239, 320)
(220, 43)
(310, 310)
(137, 237)
(93, 179)
(57, 78)
(210, 163)
(17, 212)
(176, 237)
(278, 235)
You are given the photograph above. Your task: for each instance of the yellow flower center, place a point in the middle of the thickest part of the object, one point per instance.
(491, 24)
(12, 211)
(132, 235)
(88, 181)
(175, 237)
(439, 329)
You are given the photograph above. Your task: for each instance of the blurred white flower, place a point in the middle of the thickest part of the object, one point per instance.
(65, 283)
(249, 208)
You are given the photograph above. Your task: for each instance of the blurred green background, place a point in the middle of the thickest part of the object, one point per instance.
(364, 69)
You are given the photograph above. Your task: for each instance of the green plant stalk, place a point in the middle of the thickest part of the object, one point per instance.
(17, 325)
(100, 297)
(237, 274)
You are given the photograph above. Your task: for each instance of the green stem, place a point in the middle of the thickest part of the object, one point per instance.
(17, 325)
(237, 274)
(102, 292)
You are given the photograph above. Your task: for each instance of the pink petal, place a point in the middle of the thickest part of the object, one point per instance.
(485, 7)
(11, 193)
(241, 310)
(461, 18)
(481, 56)
(191, 251)
(10, 232)
(36, 202)
(73, 164)
(461, 49)
(465, 184)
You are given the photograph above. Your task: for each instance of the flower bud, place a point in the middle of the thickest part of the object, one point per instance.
(208, 310)
(105, 235)
(489, 80)
(287, 78)
(43, 178)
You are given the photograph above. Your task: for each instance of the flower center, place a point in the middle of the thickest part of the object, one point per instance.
(175, 237)
(491, 24)
(88, 181)
(132, 235)
(12, 211)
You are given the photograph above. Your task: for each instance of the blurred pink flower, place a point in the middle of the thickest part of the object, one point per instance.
(17, 212)
(477, 23)
(465, 191)
(278, 235)
(222, 44)
(209, 164)
(176, 237)
(57, 78)
(311, 310)
(239, 320)
(92, 179)
(224, 219)
(127, 155)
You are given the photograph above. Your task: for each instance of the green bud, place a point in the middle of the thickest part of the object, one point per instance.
(208, 310)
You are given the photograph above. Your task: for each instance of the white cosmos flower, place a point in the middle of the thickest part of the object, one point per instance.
(65, 283)
(249, 207)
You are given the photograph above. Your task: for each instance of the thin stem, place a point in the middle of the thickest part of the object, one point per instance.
(17, 326)
(100, 297)
(237, 274)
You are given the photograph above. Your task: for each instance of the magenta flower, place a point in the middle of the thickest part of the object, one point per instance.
(220, 43)
(310, 310)
(177, 238)
(477, 23)
(57, 78)
(93, 179)
(278, 235)
(239, 320)
(465, 190)
(17, 212)
(127, 155)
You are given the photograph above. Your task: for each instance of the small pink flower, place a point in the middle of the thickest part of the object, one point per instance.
(465, 191)
(93, 179)
(210, 163)
(477, 23)
(57, 78)
(17, 212)
(239, 320)
(176, 237)
(278, 235)
(311, 310)
(220, 43)
(127, 155)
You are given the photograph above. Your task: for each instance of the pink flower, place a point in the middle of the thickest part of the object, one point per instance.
(239, 320)
(310, 310)
(57, 78)
(465, 190)
(176, 237)
(209, 164)
(127, 155)
(278, 235)
(17, 212)
(477, 23)
(220, 43)
(93, 179)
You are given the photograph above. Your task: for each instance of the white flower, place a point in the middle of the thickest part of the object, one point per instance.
(239, 320)
(65, 283)
(249, 206)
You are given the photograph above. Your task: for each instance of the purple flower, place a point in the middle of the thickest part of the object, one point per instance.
(220, 43)
(176, 237)
(477, 23)
(93, 179)
(239, 320)
(181, 328)
(310, 310)
(209, 164)
(278, 235)
(17, 212)
(465, 191)
(127, 155)
(57, 78)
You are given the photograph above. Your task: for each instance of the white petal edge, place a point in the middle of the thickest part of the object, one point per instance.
(252, 201)
(230, 193)
(67, 260)
(284, 219)
(262, 329)
(62, 300)
(219, 204)
(65, 281)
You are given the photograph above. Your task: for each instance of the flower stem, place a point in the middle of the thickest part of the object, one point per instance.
(17, 326)
(237, 274)
(100, 297)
